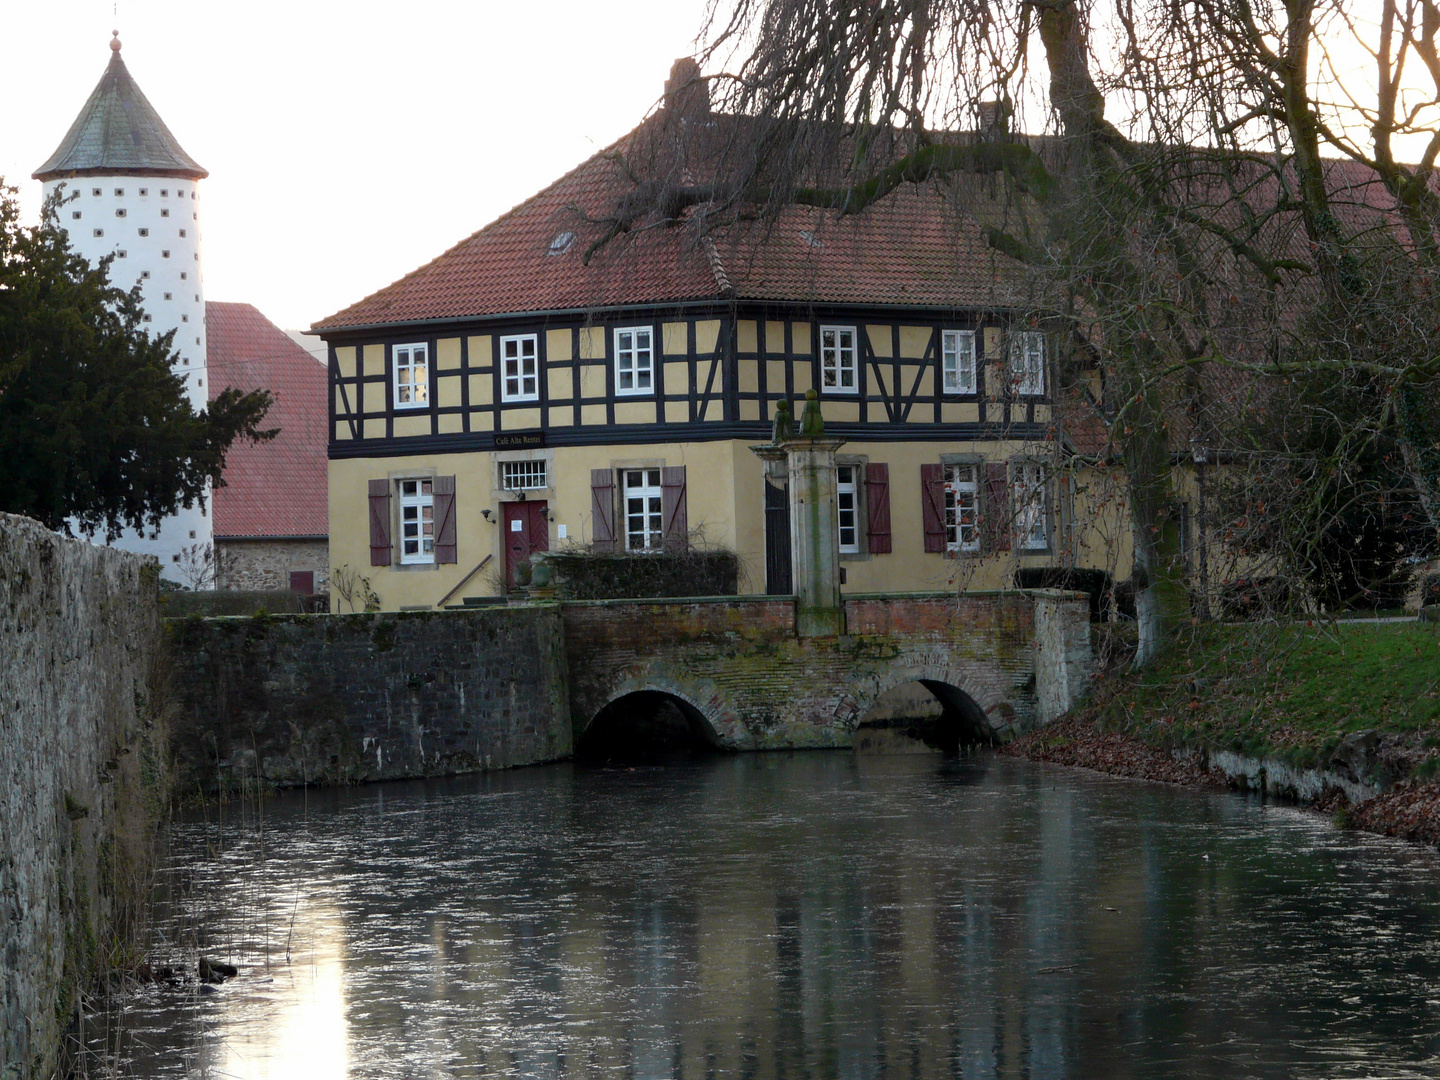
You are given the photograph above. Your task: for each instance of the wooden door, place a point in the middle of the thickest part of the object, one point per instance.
(527, 530)
(778, 580)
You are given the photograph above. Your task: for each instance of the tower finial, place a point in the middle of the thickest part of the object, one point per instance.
(115, 41)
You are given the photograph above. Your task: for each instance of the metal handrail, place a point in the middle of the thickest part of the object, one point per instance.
(461, 584)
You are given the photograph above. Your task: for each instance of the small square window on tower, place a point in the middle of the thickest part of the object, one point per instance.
(144, 232)
(184, 318)
(95, 192)
(180, 192)
(167, 296)
(75, 215)
(182, 275)
(120, 191)
(121, 253)
(98, 232)
(147, 318)
(144, 191)
(144, 273)
(164, 193)
(182, 233)
(165, 212)
(120, 211)
(165, 254)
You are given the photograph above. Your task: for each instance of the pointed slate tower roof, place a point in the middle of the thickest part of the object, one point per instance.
(119, 131)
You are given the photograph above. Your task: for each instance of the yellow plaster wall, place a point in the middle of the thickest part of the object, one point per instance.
(775, 337)
(748, 375)
(707, 333)
(447, 354)
(560, 382)
(450, 423)
(745, 335)
(374, 360)
(447, 391)
(635, 412)
(519, 419)
(880, 343)
(345, 361)
(410, 426)
(557, 345)
(592, 381)
(677, 378)
(480, 355)
(914, 340)
(592, 343)
(725, 499)
(482, 390)
(675, 338)
(800, 337)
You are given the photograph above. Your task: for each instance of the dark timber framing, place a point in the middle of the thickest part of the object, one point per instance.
(898, 399)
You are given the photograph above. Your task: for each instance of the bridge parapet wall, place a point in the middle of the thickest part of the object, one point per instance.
(738, 661)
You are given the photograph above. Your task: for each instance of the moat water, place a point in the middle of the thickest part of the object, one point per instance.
(819, 915)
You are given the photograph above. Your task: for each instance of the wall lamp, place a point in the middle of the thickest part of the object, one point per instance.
(485, 513)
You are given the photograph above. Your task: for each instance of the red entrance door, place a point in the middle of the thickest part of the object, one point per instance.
(527, 530)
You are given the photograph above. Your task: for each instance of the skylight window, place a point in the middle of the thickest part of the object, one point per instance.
(562, 243)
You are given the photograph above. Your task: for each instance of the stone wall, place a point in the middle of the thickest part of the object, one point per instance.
(738, 663)
(267, 564)
(82, 775)
(294, 699)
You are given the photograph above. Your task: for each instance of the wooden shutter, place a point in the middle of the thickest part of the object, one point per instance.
(380, 550)
(444, 489)
(602, 509)
(996, 521)
(932, 506)
(877, 507)
(302, 582)
(674, 519)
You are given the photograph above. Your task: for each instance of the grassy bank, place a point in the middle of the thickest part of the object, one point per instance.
(1358, 697)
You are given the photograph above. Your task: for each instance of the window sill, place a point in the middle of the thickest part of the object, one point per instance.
(411, 567)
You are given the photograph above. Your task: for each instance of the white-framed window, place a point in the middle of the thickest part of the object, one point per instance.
(523, 476)
(644, 516)
(1027, 486)
(957, 351)
(962, 507)
(838, 370)
(520, 368)
(634, 360)
(847, 498)
(412, 376)
(1027, 362)
(417, 521)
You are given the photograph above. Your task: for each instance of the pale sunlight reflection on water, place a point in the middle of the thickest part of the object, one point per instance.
(814, 915)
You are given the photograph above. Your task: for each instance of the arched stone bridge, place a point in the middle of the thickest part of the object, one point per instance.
(303, 699)
(1004, 662)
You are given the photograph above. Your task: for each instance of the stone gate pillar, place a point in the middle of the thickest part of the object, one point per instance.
(1063, 661)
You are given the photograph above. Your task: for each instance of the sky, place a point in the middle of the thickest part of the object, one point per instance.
(347, 143)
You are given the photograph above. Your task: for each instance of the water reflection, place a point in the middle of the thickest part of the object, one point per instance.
(811, 915)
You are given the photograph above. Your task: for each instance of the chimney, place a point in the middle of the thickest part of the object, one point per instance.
(687, 92)
(994, 117)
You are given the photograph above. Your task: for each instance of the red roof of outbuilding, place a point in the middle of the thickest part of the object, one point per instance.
(276, 488)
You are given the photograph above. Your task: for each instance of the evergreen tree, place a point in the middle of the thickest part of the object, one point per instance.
(96, 430)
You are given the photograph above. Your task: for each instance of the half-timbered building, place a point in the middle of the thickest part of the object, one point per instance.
(525, 391)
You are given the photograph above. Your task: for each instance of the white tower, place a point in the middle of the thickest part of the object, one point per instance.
(131, 191)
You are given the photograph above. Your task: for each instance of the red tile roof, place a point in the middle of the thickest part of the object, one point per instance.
(910, 248)
(276, 488)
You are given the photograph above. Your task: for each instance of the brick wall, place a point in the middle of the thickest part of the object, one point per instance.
(292, 699)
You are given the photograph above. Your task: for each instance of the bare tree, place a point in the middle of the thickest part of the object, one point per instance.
(1159, 170)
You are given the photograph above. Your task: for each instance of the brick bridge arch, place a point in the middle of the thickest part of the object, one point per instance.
(1021, 657)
